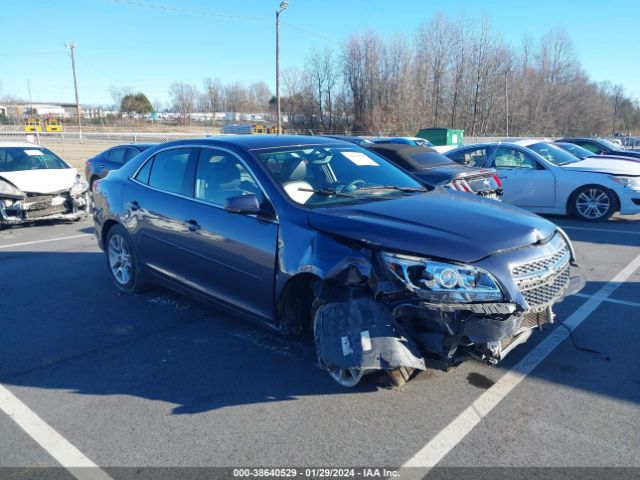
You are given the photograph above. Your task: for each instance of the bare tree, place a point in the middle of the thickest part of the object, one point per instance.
(183, 98)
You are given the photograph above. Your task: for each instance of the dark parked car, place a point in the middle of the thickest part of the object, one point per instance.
(601, 146)
(363, 142)
(583, 153)
(97, 167)
(312, 233)
(435, 169)
(413, 141)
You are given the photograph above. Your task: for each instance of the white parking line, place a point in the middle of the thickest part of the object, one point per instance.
(35, 242)
(591, 229)
(612, 300)
(451, 435)
(55, 444)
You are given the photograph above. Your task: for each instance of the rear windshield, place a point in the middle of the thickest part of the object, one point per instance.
(15, 159)
(428, 160)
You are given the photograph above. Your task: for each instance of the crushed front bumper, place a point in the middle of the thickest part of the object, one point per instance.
(386, 333)
(35, 207)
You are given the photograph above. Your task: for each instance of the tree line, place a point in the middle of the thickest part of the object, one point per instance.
(454, 73)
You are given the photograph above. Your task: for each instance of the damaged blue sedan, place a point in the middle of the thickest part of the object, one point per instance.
(319, 235)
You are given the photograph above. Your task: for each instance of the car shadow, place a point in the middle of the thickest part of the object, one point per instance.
(65, 326)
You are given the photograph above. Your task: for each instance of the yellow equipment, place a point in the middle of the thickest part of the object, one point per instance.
(52, 125)
(32, 125)
(274, 130)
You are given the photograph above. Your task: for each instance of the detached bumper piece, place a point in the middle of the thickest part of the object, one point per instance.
(61, 205)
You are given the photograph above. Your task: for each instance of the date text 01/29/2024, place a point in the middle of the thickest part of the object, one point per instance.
(316, 472)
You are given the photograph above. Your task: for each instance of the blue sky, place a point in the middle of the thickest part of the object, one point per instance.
(124, 45)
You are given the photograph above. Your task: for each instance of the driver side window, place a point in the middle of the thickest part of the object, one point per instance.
(512, 158)
(221, 175)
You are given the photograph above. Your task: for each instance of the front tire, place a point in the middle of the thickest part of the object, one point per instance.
(123, 261)
(593, 203)
(346, 377)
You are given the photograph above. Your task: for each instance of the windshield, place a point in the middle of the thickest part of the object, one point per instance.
(322, 175)
(576, 150)
(15, 159)
(610, 145)
(553, 153)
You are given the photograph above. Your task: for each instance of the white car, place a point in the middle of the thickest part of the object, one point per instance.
(36, 184)
(541, 177)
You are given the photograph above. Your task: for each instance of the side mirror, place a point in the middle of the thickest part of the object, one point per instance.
(243, 204)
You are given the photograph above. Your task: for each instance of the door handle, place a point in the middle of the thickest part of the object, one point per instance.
(134, 206)
(192, 225)
(501, 177)
(101, 166)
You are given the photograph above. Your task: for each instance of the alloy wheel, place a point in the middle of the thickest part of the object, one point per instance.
(347, 377)
(120, 259)
(593, 203)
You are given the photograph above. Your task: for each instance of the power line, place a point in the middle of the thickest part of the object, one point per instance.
(217, 14)
(190, 11)
(25, 54)
(99, 70)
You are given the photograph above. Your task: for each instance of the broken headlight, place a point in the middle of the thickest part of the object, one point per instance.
(443, 282)
(79, 187)
(8, 189)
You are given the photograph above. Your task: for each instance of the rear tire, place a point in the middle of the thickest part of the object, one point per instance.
(593, 203)
(123, 261)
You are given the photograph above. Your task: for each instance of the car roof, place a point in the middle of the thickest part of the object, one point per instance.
(144, 146)
(19, 145)
(400, 147)
(525, 142)
(571, 139)
(258, 141)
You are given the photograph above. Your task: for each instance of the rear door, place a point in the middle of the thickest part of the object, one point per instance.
(526, 182)
(157, 205)
(230, 256)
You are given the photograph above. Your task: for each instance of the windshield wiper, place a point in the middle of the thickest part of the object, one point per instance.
(329, 192)
(393, 187)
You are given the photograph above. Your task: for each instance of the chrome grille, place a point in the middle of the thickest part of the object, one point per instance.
(544, 280)
(540, 266)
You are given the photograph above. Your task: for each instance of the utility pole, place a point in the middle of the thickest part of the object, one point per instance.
(31, 114)
(506, 98)
(615, 114)
(283, 7)
(72, 47)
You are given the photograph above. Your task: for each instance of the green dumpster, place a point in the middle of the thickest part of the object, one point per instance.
(442, 136)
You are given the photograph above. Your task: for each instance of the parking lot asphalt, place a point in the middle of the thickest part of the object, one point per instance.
(157, 379)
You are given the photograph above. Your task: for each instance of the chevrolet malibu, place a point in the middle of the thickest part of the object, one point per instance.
(318, 235)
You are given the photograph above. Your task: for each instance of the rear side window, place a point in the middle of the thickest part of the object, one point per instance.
(144, 172)
(476, 157)
(116, 155)
(169, 170)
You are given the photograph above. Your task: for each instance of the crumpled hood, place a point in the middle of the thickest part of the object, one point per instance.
(608, 165)
(42, 181)
(438, 224)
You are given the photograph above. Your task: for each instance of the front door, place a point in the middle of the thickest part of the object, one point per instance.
(231, 256)
(526, 182)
